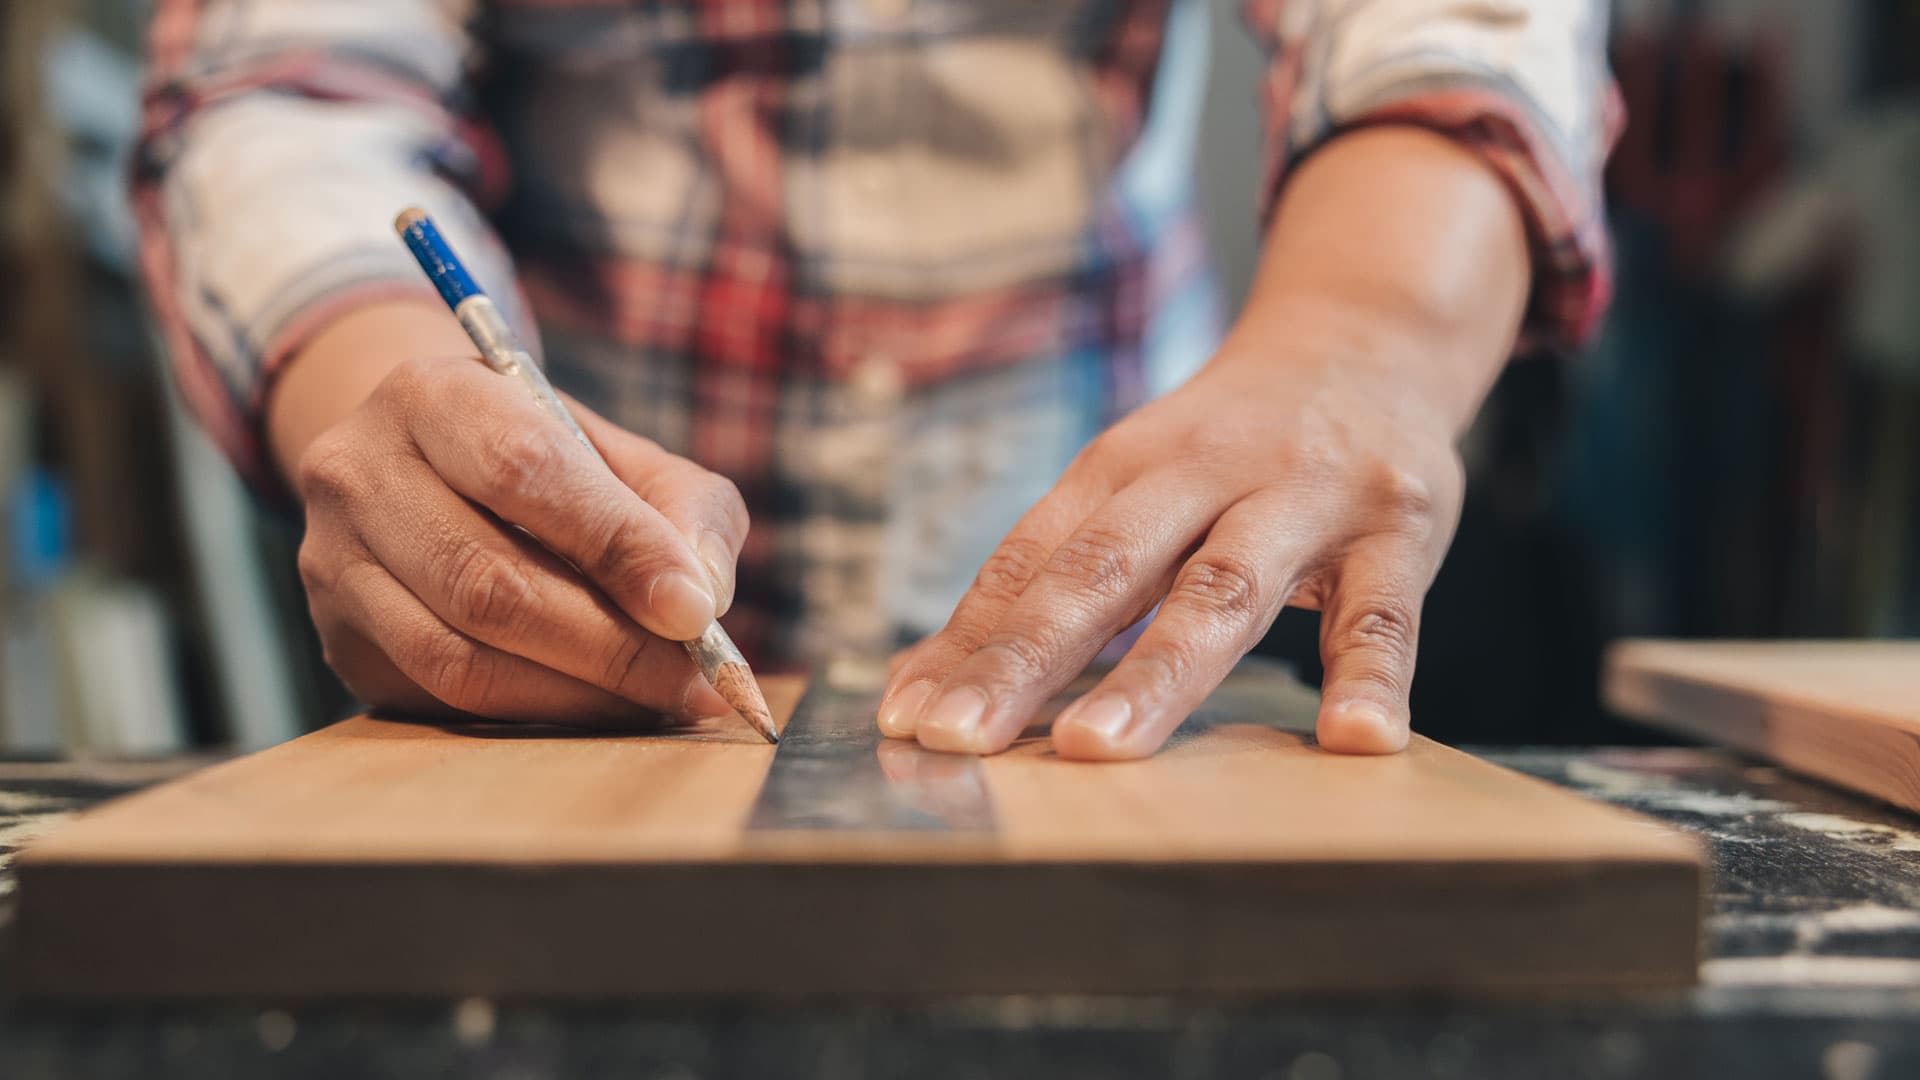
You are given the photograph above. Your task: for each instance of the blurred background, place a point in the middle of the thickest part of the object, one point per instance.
(1734, 457)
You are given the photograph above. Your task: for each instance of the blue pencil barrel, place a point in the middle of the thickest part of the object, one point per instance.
(431, 251)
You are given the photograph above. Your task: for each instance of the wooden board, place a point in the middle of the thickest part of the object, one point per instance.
(1847, 712)
(390, 858)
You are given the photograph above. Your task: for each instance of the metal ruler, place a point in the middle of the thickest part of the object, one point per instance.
(834, 772)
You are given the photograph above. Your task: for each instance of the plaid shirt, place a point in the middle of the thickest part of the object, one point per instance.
(887, 264)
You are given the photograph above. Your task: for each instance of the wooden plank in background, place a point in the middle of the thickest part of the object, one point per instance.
(1847, 712)
(386, 858)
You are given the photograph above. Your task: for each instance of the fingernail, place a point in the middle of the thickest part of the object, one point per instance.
(683, 606)
(1106, 717)
(1363, 713)
(954, 720)
(718, 557)
(1362, 727)
(898, 713)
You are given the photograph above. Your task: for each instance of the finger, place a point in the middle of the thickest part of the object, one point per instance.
(461, 673)
(372, 678)
(1220, 604)
(703, 505)
(900, 657)
(999, 583)
(1368, 638)
(1104, 577)
(496, 586)
(487, 439)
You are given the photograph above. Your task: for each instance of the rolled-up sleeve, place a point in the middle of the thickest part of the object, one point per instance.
(279, 141)
(1522, 83)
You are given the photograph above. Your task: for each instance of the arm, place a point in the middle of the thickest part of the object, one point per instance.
(283, 136)
(279, 139)
(1312, 462)
(1522, 84)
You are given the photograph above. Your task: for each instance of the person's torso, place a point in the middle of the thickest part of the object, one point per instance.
(885, 263)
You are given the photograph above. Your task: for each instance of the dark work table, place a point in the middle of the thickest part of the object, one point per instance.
(1813, 970)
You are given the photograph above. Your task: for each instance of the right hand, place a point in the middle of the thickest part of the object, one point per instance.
(428, 599)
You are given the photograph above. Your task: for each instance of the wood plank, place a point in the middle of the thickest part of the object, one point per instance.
(386, 858)
(1847, 712)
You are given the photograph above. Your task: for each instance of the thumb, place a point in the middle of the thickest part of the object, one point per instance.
(704, 506)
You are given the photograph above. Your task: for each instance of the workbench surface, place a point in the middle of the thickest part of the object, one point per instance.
(1813, 970)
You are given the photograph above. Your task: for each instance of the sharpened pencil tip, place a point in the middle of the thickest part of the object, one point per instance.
(735, 683)
(761, 719)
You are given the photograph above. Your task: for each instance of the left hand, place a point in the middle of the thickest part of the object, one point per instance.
(1295, 472)
(1311, 463)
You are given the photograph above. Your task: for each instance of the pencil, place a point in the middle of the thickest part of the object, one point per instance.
(713, 652)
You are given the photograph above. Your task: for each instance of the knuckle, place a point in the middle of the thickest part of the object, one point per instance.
(1379, 626)
(1017, 655)
(410, 377)
(327, 564)
(714, 495)
(726, 495)
(487, 589)
(1101, 463)
(614, 553)
(312, 562)
(966, 628)
(623, 662)
(1215, 444)
(1100, 452)
(452, 669)
(1316, 462)
(1222, 585)
(1098, 560)
(331, 470)
(1169, 664)
(1008, 570)
(352, 667)
(523, 460)
(1406, 495)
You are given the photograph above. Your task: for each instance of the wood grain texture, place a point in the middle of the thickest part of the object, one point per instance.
(387, 858)
(1847, 712)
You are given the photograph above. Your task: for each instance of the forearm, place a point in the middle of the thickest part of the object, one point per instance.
(330, 375)
(1407, 254)
(277, 146)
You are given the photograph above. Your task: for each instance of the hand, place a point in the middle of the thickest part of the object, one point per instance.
(1311, 463)
(1237, 494)
(428, 599)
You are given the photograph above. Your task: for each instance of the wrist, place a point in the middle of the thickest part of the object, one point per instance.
(1347, 362)
(1399, 256)
(339, 366)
